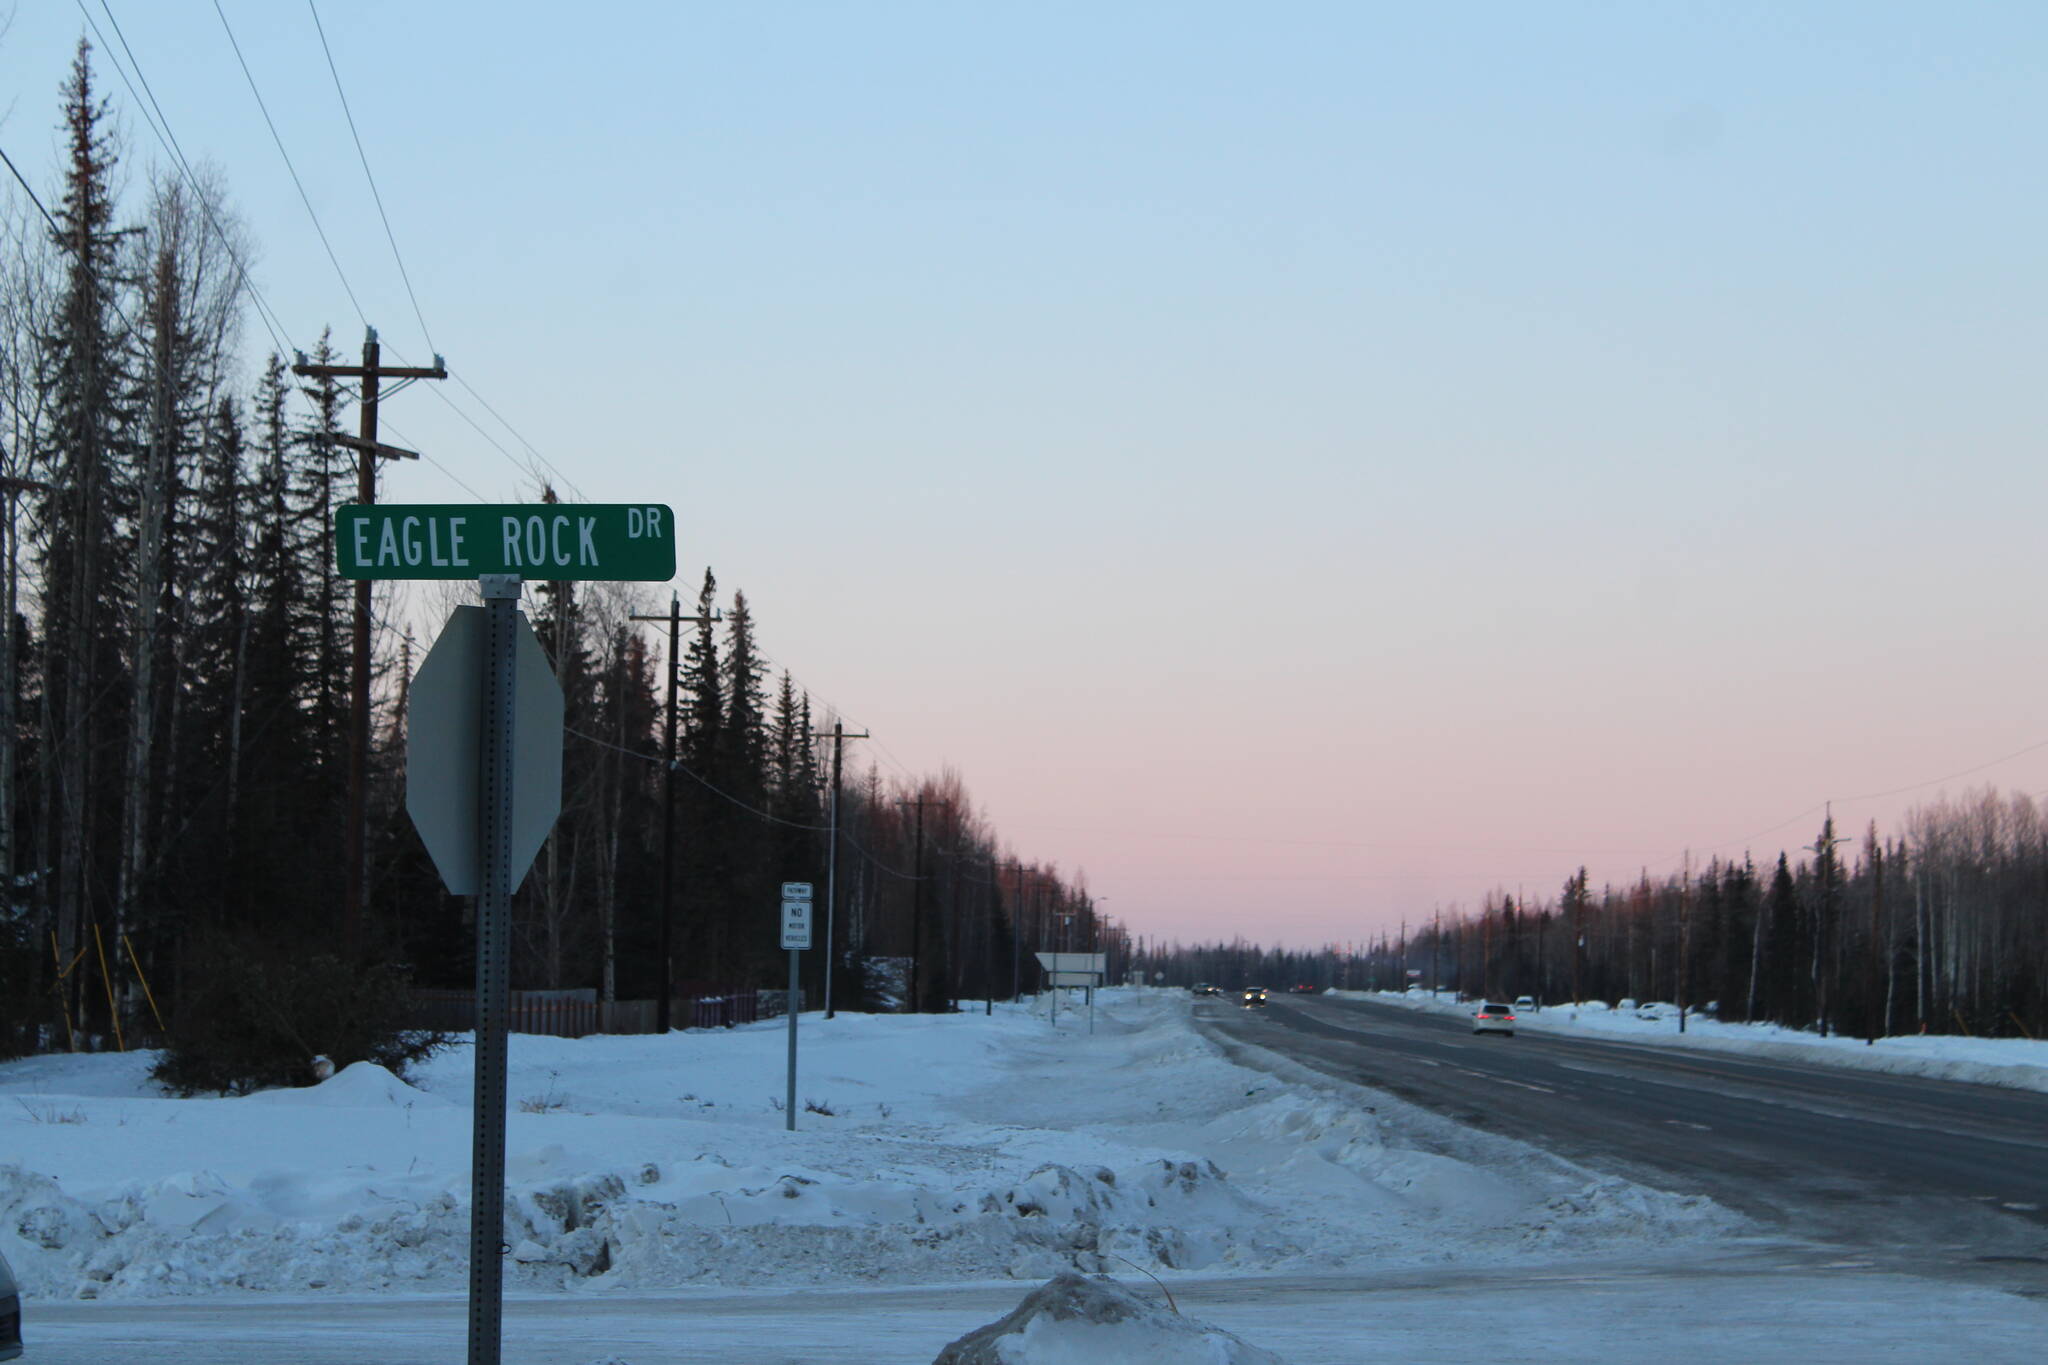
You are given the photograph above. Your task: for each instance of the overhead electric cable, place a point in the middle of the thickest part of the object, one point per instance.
(304, 198)
(29, 190)
(161, 126)
(265, 313)
(516, 433)
(364, 157)
(1810, 811)
(756, 811)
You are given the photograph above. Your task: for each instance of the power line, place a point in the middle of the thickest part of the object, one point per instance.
(701, 781)
(364, 157)
(265, 313)
(1935, 782)
(519, 436)
(29, 190)
(304, 198)
(161, 126)
(723, 795)
(425, 458)
(1810, 811)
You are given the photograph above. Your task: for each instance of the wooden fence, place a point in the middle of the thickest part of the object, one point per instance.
(575, 1013)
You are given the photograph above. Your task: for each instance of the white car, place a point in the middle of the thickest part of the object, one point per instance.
(10, 1313)
(1492, 1018)
(1525, 1004)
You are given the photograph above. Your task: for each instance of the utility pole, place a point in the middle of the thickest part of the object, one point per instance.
(1436, 940)
(1578, 886)
(1874, 1011)
(917, 907)
(839, 738)
(1066, 922)
(1486, 951)
(1017, 936)
(1091, 963)
(1684, 935)
(355, 882)
(663, 1006)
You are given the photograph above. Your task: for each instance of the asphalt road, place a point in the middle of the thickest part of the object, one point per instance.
(1935, 1174)
(1762, 1307)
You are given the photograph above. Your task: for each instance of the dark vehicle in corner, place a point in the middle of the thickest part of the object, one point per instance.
(10, 1313)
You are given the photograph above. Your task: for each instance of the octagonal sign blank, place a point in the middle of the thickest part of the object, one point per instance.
(443, 737)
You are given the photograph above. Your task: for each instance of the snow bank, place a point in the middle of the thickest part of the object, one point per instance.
(932, 1149)
(2014, 1063)
(1072, 1320)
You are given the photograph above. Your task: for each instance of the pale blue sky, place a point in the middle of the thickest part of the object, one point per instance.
(1461, 440)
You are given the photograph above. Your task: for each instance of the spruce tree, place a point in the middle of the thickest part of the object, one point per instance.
(85, 583)
(703, 818)
(744, 759)
(1779, 967)
(279, 811)
(741, 773)
(322, 478)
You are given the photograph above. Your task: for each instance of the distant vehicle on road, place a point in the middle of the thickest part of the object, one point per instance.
(1526, 1003)
(10, 1313)
(1206, 988)
(1304, 989)
(1255, 997)
(1654, 1011)
(1493, 1018)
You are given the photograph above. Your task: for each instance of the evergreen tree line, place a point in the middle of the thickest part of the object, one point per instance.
(175, 716)
(1941, 929)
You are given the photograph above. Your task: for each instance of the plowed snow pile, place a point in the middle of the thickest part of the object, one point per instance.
(933, 1148)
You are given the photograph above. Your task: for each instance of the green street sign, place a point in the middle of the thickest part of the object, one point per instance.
(552, 540)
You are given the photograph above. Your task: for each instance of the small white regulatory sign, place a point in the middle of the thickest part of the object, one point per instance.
(796, 923)
(796, 891)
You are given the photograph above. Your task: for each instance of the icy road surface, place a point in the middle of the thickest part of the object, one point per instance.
(1761, 1309)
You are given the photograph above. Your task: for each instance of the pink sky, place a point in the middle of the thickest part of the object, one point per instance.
(1300, 465)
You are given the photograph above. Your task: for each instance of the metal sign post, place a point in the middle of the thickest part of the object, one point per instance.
(483, 750)
(1074, 969)
(796, 936)
(493, 969)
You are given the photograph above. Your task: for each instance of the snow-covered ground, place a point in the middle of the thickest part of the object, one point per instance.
(2017, 1063)
(658, 1209)
(945, 1148)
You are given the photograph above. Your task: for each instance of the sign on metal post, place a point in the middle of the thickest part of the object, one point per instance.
(796, 935)
(496, 784)
(590, 541)
(1090, 967)
(484, 758)
(443, 731)
(796, 924)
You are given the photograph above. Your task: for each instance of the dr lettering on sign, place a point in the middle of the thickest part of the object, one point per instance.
(613, 541)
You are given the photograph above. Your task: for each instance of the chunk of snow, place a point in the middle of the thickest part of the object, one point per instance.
(1076, 1320)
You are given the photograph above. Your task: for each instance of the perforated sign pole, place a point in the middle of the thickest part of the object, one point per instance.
(497, 546)
(493, 970)
(796, 936)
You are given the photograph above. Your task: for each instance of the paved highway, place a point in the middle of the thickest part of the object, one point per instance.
(1939, 1175)
(1756, 1306)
